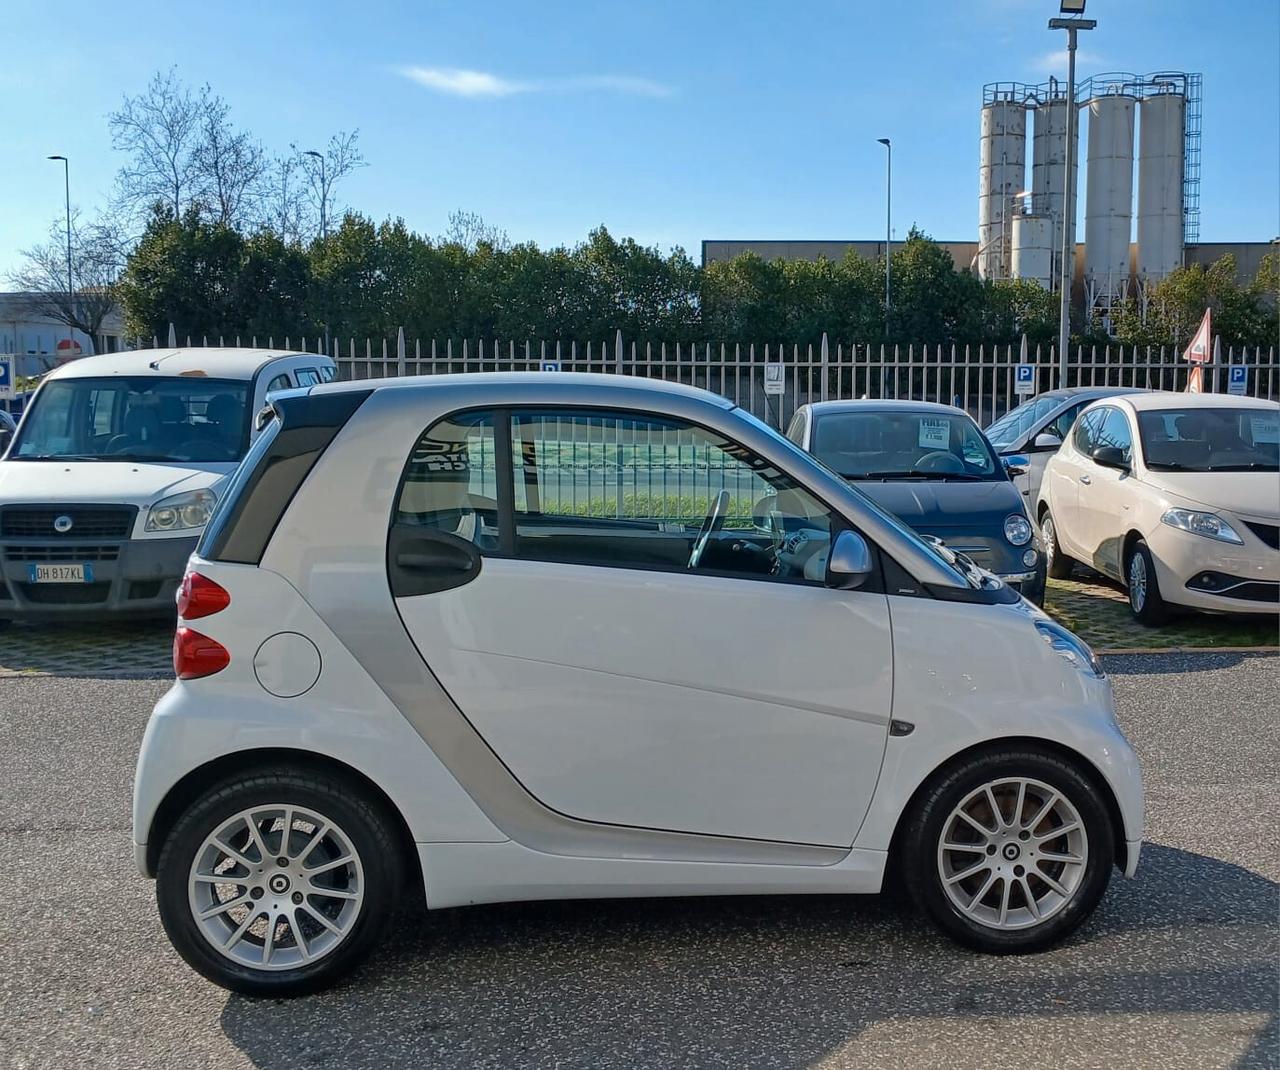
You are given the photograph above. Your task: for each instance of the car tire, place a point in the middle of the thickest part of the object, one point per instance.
(325, 917)
(1057, 564)
(1145, 601)
(1001, 890)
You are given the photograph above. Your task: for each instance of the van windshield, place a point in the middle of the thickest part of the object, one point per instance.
(136, 418)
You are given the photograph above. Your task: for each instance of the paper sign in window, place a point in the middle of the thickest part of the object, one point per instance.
(935, 434)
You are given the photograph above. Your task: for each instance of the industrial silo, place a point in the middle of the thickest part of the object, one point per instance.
(1002, 159)
(1108, 213)
(1161, 126)
(1036, 240)
(1048, 167)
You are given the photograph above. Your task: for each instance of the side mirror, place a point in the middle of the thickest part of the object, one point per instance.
(1016, 464)
(1110, 457)
(849, 563)
(1047, 440)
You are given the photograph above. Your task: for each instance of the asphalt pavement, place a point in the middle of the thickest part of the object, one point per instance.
(1177, 969)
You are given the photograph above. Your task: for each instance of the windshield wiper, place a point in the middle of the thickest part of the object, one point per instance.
(1252, 466)
(58, 457)
(927, 476)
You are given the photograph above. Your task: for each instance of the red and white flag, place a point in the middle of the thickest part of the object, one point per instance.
(1199, 352)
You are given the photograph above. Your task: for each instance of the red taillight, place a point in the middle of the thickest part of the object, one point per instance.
(196, 655)
(199, 596)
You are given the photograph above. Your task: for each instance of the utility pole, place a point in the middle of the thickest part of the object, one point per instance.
(888, 228)
(324, 193)
(1072, 26)
(66, 182)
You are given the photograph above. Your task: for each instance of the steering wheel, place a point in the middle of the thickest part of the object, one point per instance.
(714, 522)
(940, 461)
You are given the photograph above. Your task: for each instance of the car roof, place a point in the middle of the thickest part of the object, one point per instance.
(214, 362)
(826, 408)
(577, 386)
(1157, 400)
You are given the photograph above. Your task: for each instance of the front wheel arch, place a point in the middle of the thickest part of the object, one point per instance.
(991, 746)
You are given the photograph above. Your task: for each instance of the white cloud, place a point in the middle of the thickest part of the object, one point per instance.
(459, 82)
(1056, 62)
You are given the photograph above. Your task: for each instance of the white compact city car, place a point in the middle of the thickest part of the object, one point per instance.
(116, 468)
(513, 637)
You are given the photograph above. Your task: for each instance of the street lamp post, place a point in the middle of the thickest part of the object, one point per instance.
(324, 193)
(1072, 26)
(888, 227)
(66, 182)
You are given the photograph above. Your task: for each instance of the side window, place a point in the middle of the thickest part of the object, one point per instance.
(280, 382)
(1086, 429)
(450, 482)
(656, 493)
(1064, 422)
(796, 431)
(1115, 432)
(307, 376)
(328, 373)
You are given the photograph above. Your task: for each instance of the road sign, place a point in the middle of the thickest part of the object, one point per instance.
(1238, 380)
(773, 381)
(6, 377)
(1024, 382)
(550, 365)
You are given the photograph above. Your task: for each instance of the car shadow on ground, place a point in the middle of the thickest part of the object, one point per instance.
(1178, 664)
(140, 649)
(783, 981)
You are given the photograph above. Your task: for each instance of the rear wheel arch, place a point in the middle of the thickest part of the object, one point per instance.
(993, 746)
(1131, 539)
(244, 764)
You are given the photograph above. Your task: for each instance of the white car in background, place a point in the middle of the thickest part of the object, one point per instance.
(530, 636)
(1177, 496)
(116, 468)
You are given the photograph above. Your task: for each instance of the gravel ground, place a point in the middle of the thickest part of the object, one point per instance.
(1177, 968)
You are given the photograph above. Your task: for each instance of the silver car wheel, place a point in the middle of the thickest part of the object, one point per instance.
(1047, 537)
(1137, 582)
(276, 887)
(1012, 854)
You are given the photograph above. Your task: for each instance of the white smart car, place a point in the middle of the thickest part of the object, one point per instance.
(510, 637)
(116, 468)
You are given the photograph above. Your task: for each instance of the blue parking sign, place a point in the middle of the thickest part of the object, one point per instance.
(6, 377)
(550, 365)
(1238, 380)
(1024, 381)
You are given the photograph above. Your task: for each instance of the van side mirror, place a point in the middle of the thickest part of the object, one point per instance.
(849, 563)
(1110, 457)
(1046, 441)
(1016, 464)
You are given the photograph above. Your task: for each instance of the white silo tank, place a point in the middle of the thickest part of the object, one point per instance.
(1160, 177)
(1108, 211)
(1048, 169)
(1035, 245)
(1002, 160)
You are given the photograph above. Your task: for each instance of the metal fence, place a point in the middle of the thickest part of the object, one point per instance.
(980, 379)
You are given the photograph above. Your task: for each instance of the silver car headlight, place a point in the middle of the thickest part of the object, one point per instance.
(182, 512)
(1070, 646)
(1210, 525)
(1017, 529)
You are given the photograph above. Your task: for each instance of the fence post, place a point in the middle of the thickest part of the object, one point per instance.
(824, 356)
(617, 352)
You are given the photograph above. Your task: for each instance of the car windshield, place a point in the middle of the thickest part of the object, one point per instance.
(1211, 440)
(136, 418)
(1015, 423)
(886, 444)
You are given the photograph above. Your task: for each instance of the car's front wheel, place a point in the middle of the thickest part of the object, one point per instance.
(278, 883)
(1009, 851)
(1145, 601)
(1057, 564)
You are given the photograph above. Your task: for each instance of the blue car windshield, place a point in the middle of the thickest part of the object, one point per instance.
(1015, 423)
(903, 444)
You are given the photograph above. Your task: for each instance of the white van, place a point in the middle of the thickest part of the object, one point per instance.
(115, 469)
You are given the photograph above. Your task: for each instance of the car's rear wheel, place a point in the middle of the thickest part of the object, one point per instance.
(1057, 564)
(279, 883)
(1009, 851)
(1145, 601)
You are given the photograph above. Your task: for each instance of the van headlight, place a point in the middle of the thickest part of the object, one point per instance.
(1017, 529)
(182, 512)
(1069, 646)
(1210, 525)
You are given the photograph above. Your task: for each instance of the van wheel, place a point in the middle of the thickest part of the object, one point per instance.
(278, 883)
(1145, 601)
(1057, 564)
(1009, 851)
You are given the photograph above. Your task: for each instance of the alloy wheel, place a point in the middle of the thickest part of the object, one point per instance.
(1047, 537)
(1137, 582)
(1012, 854)
(276, 887)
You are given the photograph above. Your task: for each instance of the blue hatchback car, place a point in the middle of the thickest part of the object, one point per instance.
(932, 467)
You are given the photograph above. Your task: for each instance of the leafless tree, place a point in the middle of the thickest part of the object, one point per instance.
(230, 167)
(340, 158)
(282, 205)
(97, 255)
(160, 130)
(469, 229)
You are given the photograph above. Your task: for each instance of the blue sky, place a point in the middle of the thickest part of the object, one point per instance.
(669, 120)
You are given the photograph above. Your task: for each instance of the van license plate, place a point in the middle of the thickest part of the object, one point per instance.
(60, 573)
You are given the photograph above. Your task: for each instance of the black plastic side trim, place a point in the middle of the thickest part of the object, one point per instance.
(259, 496)
(986, 596)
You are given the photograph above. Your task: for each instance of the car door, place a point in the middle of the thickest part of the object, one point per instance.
(1071, 469)
(739, 698)
(1038, 456)
(1102, 506)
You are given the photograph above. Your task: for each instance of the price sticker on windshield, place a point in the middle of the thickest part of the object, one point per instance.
(935, 434)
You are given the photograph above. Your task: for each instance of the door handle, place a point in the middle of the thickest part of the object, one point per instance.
(1085, 479)
(427, 562)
